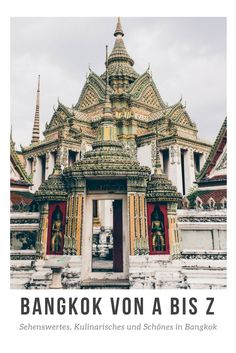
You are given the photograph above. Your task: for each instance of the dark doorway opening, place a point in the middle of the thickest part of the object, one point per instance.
(107, 247)
(182, 169)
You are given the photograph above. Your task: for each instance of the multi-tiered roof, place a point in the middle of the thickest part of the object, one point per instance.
(135, 101)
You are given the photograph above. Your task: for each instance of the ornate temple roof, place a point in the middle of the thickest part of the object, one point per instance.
(53, 188)
(23, 178)
(108, 158)
(134, 97)
(212, 180)
(120, 64)
(215, 165)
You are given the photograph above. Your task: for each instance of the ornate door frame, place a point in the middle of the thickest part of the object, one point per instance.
(86, 269)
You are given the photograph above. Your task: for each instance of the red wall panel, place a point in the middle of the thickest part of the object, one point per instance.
(150, 208)
(52, 207)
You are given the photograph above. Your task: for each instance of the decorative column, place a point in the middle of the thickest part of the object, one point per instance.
(41, 242)
(67, 250)
(137, 216)
(174, 240)
(37, 173)
(62, 156)
(203, 159)
(174, 167)
(29, 166)
(74, 221)
(189, 169)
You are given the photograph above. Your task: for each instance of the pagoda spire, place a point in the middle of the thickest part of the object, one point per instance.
(120, 64)
(107, 126)
(119, 30)
(157, 169)
(36, 129)
(107, 113)
(119, 52)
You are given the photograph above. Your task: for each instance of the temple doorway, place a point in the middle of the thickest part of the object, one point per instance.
(105, 244)
(107, 249)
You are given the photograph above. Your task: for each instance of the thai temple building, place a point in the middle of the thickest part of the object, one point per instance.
(114, 196)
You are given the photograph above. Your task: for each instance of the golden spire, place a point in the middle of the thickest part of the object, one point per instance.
(107, 126)
(36, 129)
(157, 169)
(119, 29)
(107, 113)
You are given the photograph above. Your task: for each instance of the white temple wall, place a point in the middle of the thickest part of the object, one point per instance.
(174, 167)
(50, 164)
(37, 173)
(203, 159)
(29, 166)
(202, 230)
(165, 161)
(189, 172)
(144, 156)
(197, 240)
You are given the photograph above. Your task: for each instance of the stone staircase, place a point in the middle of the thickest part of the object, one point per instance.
(105, 284)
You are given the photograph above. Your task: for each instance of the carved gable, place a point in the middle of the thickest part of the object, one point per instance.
(150, 98)
(58, 119)
(180, 116)
(89, 98)
(182, 119)
(14, 173)
(92, 93)
(221, 165)
(145, 91)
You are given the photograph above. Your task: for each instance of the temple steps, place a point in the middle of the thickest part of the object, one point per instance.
(105, 284)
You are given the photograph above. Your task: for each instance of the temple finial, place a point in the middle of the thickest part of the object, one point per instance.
(107, 78)
(107, 112)
(158, 160)
(119, 30)
(36, 129)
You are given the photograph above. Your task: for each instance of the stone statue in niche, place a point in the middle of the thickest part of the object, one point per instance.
(56, 234)
(158, 232)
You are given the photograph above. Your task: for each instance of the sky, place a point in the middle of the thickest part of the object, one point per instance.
(187, 57)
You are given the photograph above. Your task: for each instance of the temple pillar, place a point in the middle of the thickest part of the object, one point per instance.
(203, 159)
(49, 164)
(29, 166)
(174, 239)
(62, 156)
(37, 173)
(189, 172)
(137, 218)
(174, 167)
(162, 160)
(74, 218)
(41, 242)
